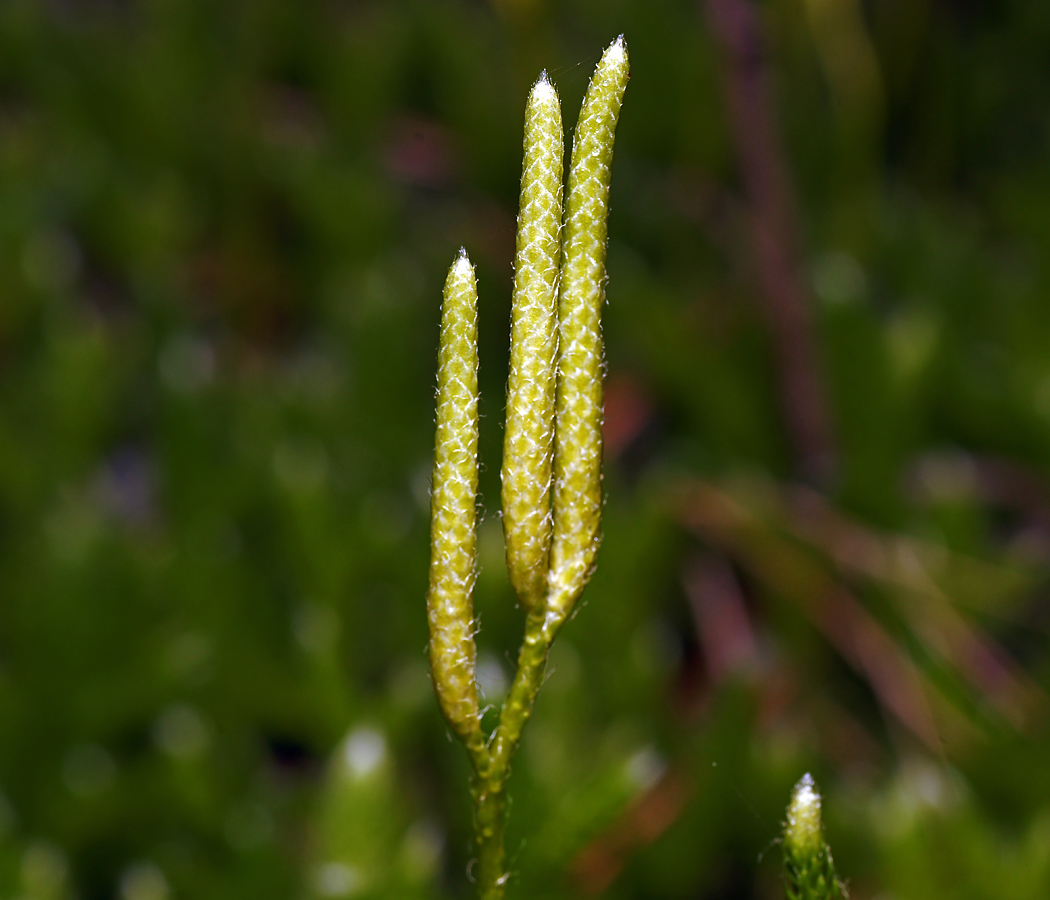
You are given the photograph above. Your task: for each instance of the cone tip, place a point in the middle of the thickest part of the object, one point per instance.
(543, 89)
(462, 265)
(803, 829)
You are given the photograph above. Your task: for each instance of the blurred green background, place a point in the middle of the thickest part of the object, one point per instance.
(224, 228)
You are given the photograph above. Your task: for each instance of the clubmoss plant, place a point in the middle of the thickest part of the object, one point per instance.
(552, 452)
(809, 870)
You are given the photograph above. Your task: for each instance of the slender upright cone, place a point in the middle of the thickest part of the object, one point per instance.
(804, 831)
(578, 442)
(809, 871)
(453, 537)
(528, 443)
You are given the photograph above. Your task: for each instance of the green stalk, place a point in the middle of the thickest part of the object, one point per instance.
(490, 819)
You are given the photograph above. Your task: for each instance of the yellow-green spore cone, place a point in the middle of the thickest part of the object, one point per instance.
(809, 870)
(578, 441)
(528, 443)
(803, 832)
(453, 536)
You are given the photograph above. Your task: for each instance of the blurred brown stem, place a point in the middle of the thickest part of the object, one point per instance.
(774, 225)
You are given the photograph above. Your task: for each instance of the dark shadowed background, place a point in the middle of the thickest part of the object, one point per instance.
(224, 228)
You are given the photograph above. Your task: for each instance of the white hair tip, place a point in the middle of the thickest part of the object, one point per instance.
(462, 262)
(543, 89)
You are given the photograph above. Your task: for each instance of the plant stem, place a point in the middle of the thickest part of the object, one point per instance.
(492, 767)
(490, 817)
(540, 629)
